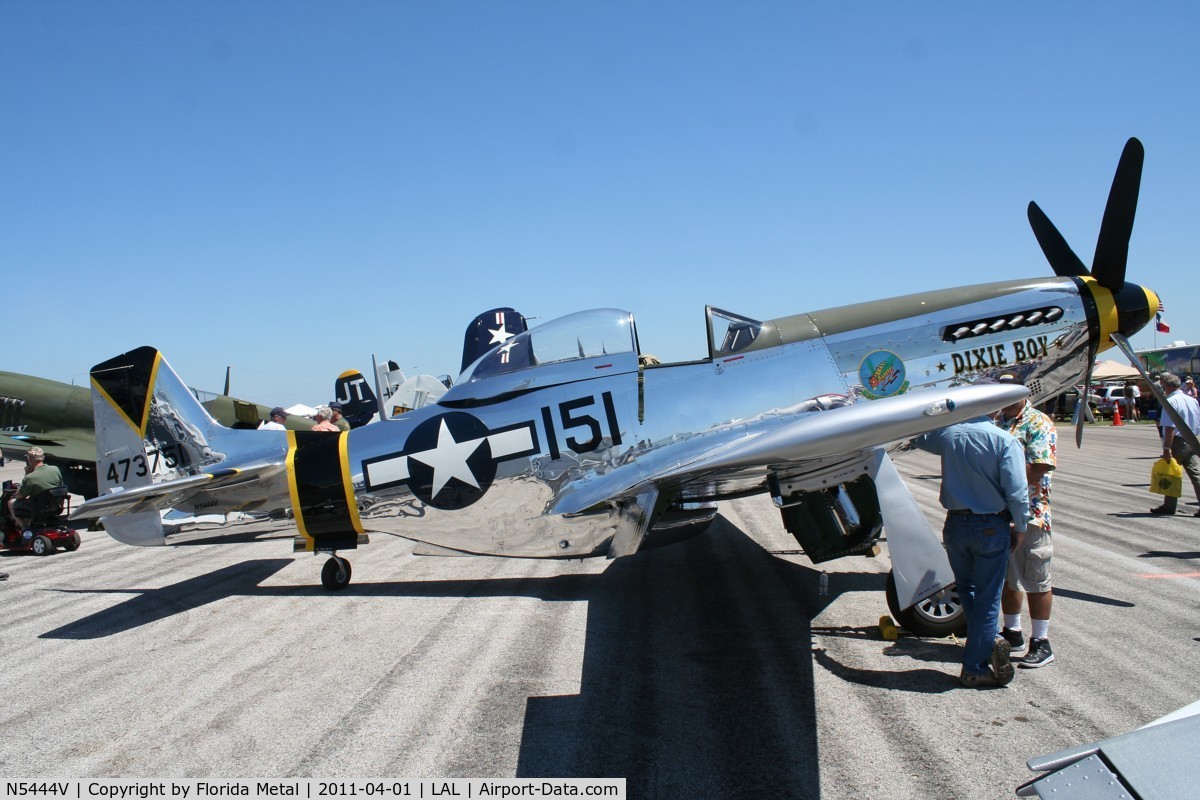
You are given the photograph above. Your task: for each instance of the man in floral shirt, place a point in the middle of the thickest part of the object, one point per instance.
(1029, 564)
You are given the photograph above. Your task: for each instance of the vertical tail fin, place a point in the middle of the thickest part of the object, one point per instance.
(353, 391)
(150, 428)
(489, 329)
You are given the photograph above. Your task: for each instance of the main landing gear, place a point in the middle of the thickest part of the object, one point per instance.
(335, 575)
(934, 617)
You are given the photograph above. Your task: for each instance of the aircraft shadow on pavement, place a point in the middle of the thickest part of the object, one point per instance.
(151, 605)
(698, 664)
(698, 675)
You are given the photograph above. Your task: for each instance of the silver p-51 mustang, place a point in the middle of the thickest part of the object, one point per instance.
(564, 442)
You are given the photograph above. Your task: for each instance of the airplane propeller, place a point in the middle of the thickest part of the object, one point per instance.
(1112, 251)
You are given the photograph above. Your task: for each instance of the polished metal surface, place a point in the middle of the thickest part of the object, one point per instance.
(550, 445)
(561, 444)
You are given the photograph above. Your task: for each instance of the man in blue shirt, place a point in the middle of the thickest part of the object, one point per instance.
(984, 489)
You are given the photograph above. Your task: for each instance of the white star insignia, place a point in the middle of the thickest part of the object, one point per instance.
(505, 351)
(449, 460)
(499, 336)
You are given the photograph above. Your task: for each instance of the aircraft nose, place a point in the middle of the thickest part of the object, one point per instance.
(1124, 311)
(1136, 306)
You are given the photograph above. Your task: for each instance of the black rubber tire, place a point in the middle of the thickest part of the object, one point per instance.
(335, 575)
(934, 617)
(72, 544)
(42, 546)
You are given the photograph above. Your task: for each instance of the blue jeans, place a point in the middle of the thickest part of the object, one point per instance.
(977, 546)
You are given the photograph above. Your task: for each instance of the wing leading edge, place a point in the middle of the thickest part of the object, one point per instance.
(776, 443)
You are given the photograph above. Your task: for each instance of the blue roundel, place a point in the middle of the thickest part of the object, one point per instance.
(881, 374)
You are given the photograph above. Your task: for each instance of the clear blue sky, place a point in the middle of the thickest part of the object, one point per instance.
(289, 187)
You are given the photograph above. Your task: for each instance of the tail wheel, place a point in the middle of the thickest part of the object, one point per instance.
(42, 546)
(335, 575)
(939, 615)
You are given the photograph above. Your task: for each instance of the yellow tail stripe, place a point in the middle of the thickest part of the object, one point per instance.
(140, 425)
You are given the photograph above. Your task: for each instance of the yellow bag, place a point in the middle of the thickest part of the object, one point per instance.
(1167, 477)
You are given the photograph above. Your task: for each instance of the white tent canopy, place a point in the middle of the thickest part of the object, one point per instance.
(1114, 371)
(301, 410)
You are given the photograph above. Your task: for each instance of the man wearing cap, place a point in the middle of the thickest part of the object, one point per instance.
(985, 496)
(335, 410)
(1175, 446)
(275, 423)
(39, 477)
(1029, 564)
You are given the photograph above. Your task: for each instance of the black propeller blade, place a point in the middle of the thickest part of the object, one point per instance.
(1112, 245)
(1082, 409)
(1060, 255)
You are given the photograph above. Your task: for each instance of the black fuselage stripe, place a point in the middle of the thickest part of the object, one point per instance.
(321, 491)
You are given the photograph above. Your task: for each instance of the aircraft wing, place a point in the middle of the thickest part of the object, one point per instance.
(1156, 760)
(170, 494)
(791, 440)
(68, 444)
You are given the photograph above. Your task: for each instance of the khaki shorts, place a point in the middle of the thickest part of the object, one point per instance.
(1029, 564)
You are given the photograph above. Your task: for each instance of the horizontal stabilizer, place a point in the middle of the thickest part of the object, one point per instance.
(170, 494)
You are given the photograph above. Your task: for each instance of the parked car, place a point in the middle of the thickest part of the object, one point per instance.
(1063, 406)
(1111, 395)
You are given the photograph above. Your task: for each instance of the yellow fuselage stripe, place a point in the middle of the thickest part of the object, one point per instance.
(1108, 317)
(347, 484)
(294, 492)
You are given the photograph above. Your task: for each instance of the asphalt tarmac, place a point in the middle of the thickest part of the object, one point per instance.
(711, 668)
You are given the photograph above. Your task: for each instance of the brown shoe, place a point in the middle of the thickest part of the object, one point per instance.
(1002, 667)
(975, 680)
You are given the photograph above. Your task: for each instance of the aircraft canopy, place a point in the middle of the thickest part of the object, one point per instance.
(585, 334)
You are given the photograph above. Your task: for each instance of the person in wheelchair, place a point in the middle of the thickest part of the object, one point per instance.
(39, 493)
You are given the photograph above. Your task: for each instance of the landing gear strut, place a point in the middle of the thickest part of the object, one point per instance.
(335, 574)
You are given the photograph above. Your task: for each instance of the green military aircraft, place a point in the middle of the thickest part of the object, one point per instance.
(57, 417)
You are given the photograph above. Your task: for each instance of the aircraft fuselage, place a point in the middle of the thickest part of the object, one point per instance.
(521, 458)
